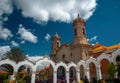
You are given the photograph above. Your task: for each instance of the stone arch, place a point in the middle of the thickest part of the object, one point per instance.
(61, 64)
(61, 73)
(72, 65)
(72, 74)
(82, 71)
(81, 63)
(104, 63)
(91, 59)
(81, 67)
(72, 71)
(7, 61)
(92, 70)
(48, 70)
(46, 60)
(103, 56)
(115, 54)
(26, 62)
(91, 64)
(116, 60)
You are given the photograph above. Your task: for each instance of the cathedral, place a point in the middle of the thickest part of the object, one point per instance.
(69, 62)
(81, 50)
(78, 50)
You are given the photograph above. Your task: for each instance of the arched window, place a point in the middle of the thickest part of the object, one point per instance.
(118, 58)
(71, 56)
(83, 31)
(75, 31)
(63, 56)
(118, 63)
(57, 44)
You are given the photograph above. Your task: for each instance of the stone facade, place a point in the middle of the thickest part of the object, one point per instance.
(82, 50)
(78, 50)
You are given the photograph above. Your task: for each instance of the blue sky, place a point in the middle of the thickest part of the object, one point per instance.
(30, 26)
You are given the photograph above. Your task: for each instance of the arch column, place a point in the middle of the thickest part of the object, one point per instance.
(78, 75)
(55, 77)
(99, 75)
(67, 76)
(15, 72)
(87, 73)
(33, 77)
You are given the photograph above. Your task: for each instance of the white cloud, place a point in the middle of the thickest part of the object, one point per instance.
(56, 10)
(26, 35)
(47, 37)
(14, 43)
(22, 42)
(5, 9)
(94, 38)
(4, 49)
(5, 33)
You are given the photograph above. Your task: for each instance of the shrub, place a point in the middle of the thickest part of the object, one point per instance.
(27, 77)
(6, 81)
(20, 81)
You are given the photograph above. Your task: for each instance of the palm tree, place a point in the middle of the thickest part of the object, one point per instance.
(15, 54)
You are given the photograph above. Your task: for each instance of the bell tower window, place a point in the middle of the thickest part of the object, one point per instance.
(75, 31)
(63, 56)
(57, 44)
(83, 31)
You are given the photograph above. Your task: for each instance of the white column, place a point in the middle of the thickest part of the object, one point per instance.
(55, 77)
(115, 76)
(14, 73)
(99, 75)
(33, 77)
(67, 76)
(87, 73)
(78, 76)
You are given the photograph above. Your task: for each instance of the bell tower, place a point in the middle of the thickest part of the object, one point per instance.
(79, 31)
(55, 43)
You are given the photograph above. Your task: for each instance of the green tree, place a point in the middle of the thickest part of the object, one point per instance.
(15, 54)
(111, 69)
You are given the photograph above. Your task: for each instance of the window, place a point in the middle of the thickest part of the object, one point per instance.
(83, 31)
(57, 44)
(63, 56)
(118, 58)
(75, 31)
(86, 54)
(71, 56)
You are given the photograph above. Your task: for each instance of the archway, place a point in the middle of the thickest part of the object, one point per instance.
(93, 73)
(72, 74)
(6, 71)
(118, 64)
(104, 64)
(24, 73)
(44, 72)
(82, 72)
(61, 74)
